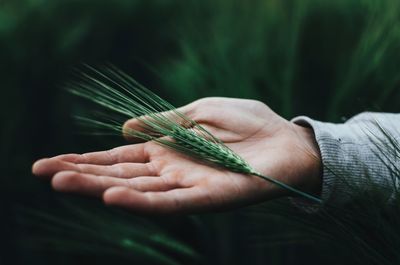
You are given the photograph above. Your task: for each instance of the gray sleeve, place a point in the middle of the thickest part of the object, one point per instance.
(357, 152)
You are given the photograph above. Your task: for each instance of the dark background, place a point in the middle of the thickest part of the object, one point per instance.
(325, 59)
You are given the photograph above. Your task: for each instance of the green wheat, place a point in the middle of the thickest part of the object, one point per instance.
(118, 92)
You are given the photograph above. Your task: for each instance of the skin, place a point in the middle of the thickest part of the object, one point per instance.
(148, 178)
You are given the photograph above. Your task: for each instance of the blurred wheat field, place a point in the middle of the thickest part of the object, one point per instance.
(326, 59)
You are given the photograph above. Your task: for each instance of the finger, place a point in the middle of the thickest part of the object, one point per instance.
(120, 170)
(139, 124)
(173, 201)
(152, 184)
(128, 153)
(49, 167)
(87, 184)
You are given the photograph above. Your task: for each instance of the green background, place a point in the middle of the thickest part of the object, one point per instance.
(325, 59)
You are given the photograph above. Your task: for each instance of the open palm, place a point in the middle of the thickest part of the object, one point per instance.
(147, 177)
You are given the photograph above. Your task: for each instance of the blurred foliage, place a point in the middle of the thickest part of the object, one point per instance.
(325, 59)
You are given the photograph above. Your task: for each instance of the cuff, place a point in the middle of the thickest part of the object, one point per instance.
(348, 159)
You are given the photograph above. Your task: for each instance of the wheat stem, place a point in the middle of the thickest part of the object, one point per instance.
(287, 187)
(135, 101)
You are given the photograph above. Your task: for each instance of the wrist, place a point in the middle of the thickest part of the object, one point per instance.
(311, 171)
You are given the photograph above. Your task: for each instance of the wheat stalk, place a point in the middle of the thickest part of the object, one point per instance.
(118, 92)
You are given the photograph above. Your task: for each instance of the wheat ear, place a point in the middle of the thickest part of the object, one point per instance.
(118, 92)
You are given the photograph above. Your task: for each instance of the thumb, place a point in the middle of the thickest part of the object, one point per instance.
(180, 116)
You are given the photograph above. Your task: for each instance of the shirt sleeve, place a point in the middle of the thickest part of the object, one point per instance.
(356, 154)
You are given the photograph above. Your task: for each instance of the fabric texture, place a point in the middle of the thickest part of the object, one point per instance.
(355, 154)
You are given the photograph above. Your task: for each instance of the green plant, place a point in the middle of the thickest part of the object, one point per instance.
(160, 121)
(86, 229)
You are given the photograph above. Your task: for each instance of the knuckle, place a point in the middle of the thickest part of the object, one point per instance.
(157, 165)
(151, 168)
(173, 178)
(133, 183)
(81, 167)
(120, 171)
(83, 158)
(112, 154)
(101, 181)
(168, 182)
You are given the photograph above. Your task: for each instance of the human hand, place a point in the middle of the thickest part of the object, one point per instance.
(147, 177)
